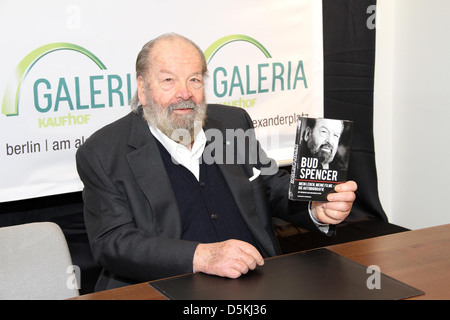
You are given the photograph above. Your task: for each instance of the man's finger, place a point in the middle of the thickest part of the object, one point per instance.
(252, 253)
(347, 186)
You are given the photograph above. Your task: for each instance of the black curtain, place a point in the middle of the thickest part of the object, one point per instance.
(349, 65)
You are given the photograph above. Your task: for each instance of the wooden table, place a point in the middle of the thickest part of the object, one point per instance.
(419, 258)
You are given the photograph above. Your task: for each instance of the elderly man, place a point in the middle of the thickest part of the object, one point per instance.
(154, 207)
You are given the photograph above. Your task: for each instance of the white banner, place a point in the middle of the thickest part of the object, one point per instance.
(67, 69)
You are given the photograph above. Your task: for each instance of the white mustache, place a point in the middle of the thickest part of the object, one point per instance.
(182, 105)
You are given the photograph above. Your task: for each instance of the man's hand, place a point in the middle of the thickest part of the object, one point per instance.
(231, 258)
(339, 205)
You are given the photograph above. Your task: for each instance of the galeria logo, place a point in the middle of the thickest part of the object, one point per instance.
(10, 105)
(50, 93)
(240, 82)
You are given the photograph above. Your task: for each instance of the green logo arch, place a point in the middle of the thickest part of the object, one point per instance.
(216, 46)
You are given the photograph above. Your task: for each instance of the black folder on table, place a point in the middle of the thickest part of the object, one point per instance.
(318, 274)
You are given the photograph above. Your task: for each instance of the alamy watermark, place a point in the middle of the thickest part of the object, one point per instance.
(232, 146)
(374, 20)
(374, 280)
(74, 279)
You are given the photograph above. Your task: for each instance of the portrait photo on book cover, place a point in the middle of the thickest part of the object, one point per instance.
(321, 156)
(327, 140)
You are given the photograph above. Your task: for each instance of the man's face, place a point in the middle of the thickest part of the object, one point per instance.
(173, 92)
(323, 139)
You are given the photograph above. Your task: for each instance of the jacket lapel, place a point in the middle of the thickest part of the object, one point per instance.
(149, 171)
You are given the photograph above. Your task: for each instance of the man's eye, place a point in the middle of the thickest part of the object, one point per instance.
(197, 83)
(168, 80)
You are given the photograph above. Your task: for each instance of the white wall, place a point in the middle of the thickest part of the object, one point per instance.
(412, 111)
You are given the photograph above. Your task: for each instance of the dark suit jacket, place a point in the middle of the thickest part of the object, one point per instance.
(131, 215)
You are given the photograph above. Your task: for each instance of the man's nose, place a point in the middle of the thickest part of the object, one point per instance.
(183, 91)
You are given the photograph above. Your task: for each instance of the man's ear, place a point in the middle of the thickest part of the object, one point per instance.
(141, 91)
(307, 133)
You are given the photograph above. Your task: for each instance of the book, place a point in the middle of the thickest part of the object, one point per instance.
(321, 156)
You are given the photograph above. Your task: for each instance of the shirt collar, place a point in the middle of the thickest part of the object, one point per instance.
(177, 150)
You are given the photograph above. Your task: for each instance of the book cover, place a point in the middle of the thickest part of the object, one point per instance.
(321, 154)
